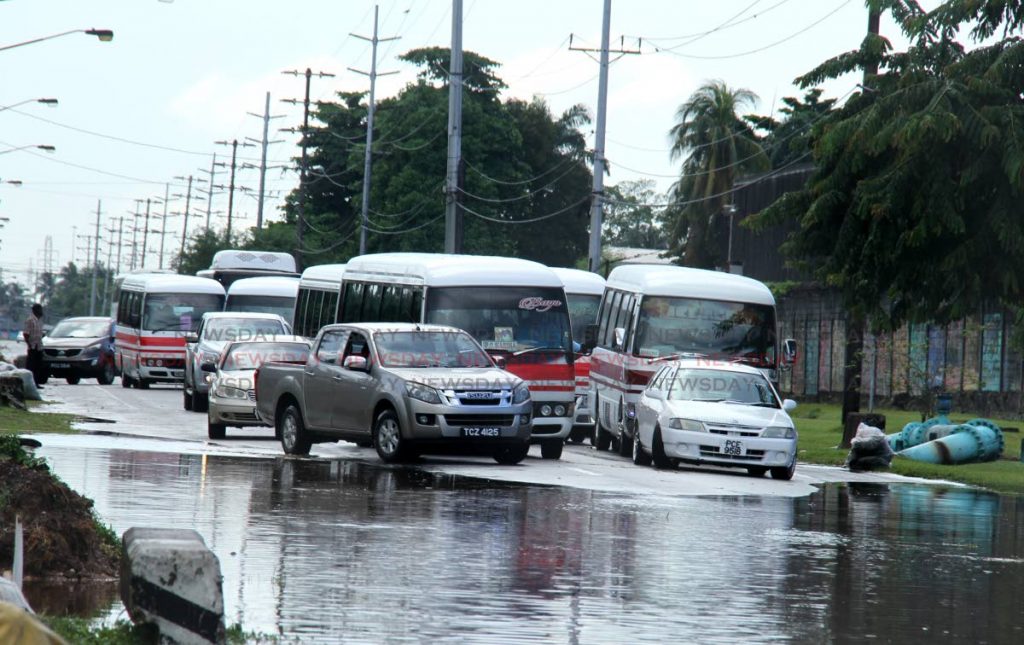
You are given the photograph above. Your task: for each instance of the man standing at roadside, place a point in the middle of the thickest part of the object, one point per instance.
(33, 333)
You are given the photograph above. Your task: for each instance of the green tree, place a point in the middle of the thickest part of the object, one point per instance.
(69, 292)
(717, 146)
(632, 218)
(788, 140)
(200, 249)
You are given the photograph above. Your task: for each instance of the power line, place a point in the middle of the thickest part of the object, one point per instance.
(546, 188)
(728, 24)
(497, 220)
(765, 47)
(523, 181)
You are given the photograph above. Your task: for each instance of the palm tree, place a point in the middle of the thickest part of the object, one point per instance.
(717, 145)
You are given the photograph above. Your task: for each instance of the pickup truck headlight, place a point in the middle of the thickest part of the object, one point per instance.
(778, 432)
(423, 393)
(521, 394)
(687, 424)
(228, 392)
(90, 351)
(208, 357)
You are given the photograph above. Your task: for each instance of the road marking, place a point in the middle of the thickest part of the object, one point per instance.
(585, 472)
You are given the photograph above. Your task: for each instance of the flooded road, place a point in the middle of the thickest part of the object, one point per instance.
(343, 551)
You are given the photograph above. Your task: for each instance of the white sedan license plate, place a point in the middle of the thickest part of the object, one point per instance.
(481, 432)
(60, 366)
(733, 448)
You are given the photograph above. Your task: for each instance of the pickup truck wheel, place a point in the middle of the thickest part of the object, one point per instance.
(215, 430)
(186, 397)
(200, 401)
(387, 437)
(126, 381)
(142, 384)
(512, 455)
(73, 380)
(294, 439)
(551, 449)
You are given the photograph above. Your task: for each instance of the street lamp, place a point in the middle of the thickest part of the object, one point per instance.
(45, 147)
(50, 102)
(730, 210)
(105, 35)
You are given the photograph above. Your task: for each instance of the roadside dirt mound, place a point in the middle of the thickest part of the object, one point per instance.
(62, 538)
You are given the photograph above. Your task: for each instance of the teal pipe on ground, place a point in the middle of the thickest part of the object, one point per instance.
(914, 433)
(974, 441)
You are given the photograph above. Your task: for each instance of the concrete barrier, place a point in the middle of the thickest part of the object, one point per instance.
(170, 579)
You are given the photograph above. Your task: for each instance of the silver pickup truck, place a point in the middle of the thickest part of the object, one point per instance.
(405, 389)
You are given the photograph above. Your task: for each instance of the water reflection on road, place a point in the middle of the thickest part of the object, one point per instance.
(326, 551)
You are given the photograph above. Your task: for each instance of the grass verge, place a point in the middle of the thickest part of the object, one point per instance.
(14, 421)
(84, 631)
(821, 431)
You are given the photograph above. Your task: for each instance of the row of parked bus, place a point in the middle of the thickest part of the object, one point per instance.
(585, 347)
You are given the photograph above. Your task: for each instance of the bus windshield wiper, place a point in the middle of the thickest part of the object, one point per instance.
(672, 357)
(175, 327)
(538, 349)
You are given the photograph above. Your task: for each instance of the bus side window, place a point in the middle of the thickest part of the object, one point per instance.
(135, 310)
(626, 319)
(602, 317)
(352, 303)
(316, 316)
(371, 303)
(300, 310)
(330, 310)
(123, 307)
(405, 305)
(389, 304)
(416, 309)
(613, 319)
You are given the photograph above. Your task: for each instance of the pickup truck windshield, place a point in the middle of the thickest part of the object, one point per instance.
(178, 311)
(429, 349)
(712, 328)
(249, 356)
(508, 319)
(715, 386)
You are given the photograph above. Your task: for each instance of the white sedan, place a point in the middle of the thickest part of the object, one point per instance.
(726, 414)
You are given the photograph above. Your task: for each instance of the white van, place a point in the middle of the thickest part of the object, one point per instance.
(264, 294)
(650, 314)
(154, 312)
(516, 309)
(316, 304)
(583, 289)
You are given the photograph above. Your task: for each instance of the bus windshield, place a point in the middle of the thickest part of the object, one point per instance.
(178, 311)
(509, 319)
(712, 328)
(582, 312)
(283, 306)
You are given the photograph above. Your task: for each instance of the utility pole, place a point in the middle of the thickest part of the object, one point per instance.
(263, 157)
(209, 191)
(231, 188)
(110, 253)
(854, 355)
(370, 109)
(145, 235)
(597, 194)
(135, 233)
(184, 228)
(95, 262)
(120, 236)
(74, 241)
(304, 142)
(452, 212)
(163, 223)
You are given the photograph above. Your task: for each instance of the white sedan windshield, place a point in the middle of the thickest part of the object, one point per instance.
(710, 385)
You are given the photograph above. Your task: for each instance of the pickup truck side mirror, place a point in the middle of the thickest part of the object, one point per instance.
(356, 364)
(208, 366)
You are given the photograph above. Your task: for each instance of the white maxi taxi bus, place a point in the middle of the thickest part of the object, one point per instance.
(264, 294)
(154, 312)
(317, 302)
(583, 290)
(516, 309)
(650, 314)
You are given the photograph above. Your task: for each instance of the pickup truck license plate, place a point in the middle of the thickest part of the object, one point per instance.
(733, 448)
(481, 432)
(60, 366)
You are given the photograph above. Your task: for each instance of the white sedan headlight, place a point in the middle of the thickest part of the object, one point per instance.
(228, 392)
(778, 432)
(687, 424)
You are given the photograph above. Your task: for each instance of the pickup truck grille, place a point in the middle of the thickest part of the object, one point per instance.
(63, 352)
(479, 419)
(479, 397)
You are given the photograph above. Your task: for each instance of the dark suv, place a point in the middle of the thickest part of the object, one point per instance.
(80, 348)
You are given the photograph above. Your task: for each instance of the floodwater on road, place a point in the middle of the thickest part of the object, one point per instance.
(333, 550)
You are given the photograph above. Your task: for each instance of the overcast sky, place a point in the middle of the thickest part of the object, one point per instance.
(180, 75)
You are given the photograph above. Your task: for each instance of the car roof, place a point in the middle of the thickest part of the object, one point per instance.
(242, 314)
(714, 364)
(394, 327)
